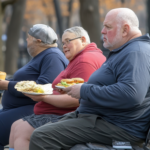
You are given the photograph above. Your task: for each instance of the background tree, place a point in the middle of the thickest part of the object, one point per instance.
(13, 33)
(43, 11)
(3, 4)
(59, 16)
(90, 19)
(70, 13)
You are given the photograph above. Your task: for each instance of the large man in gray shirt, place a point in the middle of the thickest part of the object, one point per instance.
(115, 102)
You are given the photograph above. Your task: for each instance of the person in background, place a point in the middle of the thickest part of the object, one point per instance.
(84, 58)
(46, 63)
(115, 102)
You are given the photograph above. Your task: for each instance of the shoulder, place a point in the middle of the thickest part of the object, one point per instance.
(137, 45)
(53, 50)
(91, 56)
(55, 53)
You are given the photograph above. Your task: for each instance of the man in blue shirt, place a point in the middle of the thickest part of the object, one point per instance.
(115, 102)
(46, 63)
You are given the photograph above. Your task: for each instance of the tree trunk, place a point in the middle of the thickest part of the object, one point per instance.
(90, 19)
(13, 34)
(59, 16)
(70, 13)
(1, 52)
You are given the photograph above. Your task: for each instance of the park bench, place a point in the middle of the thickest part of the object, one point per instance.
(96, 146)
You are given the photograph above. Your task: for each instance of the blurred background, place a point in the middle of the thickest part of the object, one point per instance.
(17, 16)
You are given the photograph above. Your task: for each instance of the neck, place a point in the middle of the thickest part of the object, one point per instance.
(84, 46)
(41, 48)
(38, 50)
(135, 36)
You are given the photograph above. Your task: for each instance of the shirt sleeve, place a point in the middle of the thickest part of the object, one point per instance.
(50, 68)
(130, 88)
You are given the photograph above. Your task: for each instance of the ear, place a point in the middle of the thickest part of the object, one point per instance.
(83, 39)
(126, 29)
(39, 41)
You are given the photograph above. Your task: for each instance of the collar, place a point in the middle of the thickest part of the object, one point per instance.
(141, 38)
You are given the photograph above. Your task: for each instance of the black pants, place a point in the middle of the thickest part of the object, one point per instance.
(77, 128)
(7, 117)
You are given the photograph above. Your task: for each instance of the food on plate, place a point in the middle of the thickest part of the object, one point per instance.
(66, 82)
(70, 82)
(78, 80)
(31, 86)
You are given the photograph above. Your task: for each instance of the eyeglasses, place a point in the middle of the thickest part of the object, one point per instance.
(68, 41)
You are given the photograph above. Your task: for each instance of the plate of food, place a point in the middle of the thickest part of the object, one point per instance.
(69, 82)
(33, 93)
(59, 87)
(30, 87)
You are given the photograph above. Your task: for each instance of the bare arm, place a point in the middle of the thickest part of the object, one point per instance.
(61, 101)
(4, 84)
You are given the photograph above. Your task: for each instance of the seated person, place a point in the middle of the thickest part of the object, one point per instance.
(84, 58)
(47, 62)
(115, 102)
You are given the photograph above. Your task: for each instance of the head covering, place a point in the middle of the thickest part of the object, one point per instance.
(43, 32)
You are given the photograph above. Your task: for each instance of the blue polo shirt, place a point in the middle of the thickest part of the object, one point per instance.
(119, 91)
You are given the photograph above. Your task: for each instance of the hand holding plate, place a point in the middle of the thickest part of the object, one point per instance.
(73, 91)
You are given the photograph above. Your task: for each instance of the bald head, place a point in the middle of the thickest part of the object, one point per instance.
(126, 16)
(120, 26)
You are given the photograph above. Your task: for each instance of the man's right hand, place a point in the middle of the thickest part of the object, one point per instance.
(60, 91)
(73, 91)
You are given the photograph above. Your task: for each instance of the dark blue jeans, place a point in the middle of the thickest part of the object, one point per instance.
(7, 117)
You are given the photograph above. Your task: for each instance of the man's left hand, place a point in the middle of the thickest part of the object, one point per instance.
(73, 91)
(4, 84)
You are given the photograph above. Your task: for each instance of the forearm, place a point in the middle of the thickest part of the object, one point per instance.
(61, 101)
(118, 96)
(4, 85)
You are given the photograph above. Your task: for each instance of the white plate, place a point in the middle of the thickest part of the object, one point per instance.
(59, 87)
(33, 93)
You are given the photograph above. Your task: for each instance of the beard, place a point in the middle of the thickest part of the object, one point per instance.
(30, 51)
(109, 45)
(117, 39)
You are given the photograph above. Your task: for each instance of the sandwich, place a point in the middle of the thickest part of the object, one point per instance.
(78, 80)
(70, 82)
(66, 82)
(32, 87)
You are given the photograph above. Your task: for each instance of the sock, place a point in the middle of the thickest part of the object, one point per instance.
(11, 148)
